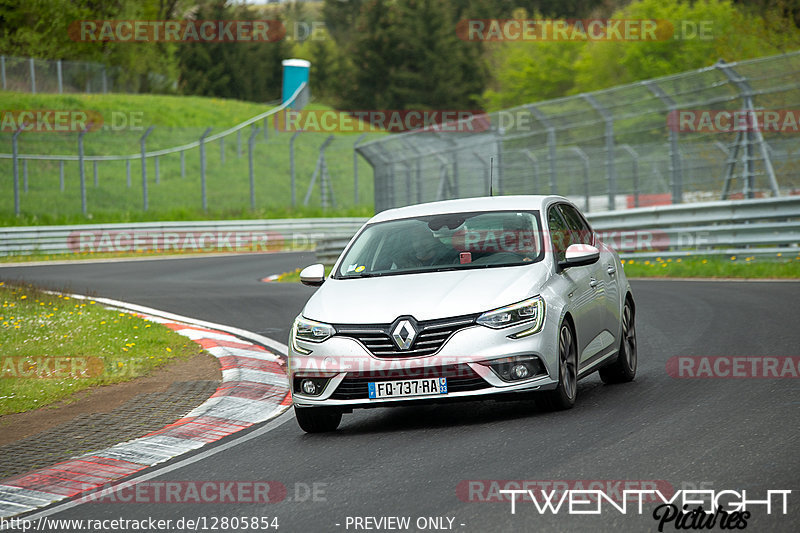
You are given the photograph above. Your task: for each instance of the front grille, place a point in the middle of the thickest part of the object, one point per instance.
(459, 378)
(431, 336)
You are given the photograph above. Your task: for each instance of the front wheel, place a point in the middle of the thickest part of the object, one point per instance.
(623, 369)
(563, 396)
(317, 419)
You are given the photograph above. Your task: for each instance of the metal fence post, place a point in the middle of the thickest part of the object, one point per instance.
(15, 164)
(266, 128)
(60, 77)
(158, 170)
(291, 167)
(82, 169)
(635, 163)
(753, 133)
(486, 170)
(183, 164)
(417, 169)
(203, 168)
(250, 145)
(585, 159)
(322, 171)
(128, 173)
(3, 70)
(551, 144)
(675, 166)
(355, 168)
(611, 171)
(143, 143)
(61, 175)
(533, 159)
(33, 75)
(25, 175)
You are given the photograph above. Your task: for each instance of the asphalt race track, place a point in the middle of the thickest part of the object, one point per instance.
(718, 434)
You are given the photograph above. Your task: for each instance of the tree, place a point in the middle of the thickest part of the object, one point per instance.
(406, 54)
(730, 35)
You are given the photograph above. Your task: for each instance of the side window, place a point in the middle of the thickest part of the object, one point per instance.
(560, 234)
(581, 232)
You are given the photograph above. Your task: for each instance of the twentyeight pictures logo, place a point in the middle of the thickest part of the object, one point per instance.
(175, 31)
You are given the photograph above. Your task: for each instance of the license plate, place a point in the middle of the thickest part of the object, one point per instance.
(407, 387)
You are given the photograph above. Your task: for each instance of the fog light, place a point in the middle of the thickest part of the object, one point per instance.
(309, 387)
(516, 368)
(520, 371)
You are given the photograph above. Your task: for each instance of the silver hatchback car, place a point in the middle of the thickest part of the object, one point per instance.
(467, 299)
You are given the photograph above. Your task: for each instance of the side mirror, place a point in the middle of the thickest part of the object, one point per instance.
(313, 275)
(579, 255)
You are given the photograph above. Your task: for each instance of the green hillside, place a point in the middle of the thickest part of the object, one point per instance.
(178, 120)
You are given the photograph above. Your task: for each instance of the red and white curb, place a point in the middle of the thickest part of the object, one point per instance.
(254, 389)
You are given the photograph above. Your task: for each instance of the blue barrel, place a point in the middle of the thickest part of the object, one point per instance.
(295, 73)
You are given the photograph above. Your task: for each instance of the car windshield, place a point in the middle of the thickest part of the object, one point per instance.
(452, 241)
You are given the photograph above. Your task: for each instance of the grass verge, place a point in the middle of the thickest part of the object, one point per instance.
(52, 346)
(714, 267)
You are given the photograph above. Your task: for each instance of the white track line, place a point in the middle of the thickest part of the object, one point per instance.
(271, 424)
(157, 471)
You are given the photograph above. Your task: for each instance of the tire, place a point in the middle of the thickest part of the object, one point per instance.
(317, 419)
(563, 396)
(623, 369)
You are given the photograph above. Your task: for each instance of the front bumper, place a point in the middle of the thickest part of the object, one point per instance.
(348, 366)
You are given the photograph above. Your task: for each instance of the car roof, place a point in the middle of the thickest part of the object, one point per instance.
(465, 205)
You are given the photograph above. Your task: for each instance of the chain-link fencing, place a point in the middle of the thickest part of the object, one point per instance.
(722, 132)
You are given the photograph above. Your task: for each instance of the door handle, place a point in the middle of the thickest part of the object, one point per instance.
(593, 282)
(611, 270)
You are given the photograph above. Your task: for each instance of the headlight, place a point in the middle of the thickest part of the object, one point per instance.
(311, 331)
(530, 310)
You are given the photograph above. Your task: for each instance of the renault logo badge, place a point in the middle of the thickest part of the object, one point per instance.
(404, 334)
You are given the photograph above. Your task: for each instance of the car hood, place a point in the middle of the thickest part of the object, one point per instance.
(424, 296)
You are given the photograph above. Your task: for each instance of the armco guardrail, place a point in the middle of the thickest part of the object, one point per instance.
(764, 227)
(752, 227)
(204, 236)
